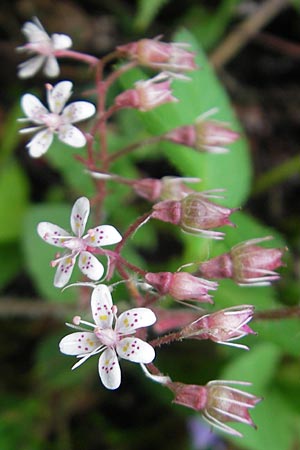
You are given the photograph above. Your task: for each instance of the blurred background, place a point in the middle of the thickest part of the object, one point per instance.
(254, 48)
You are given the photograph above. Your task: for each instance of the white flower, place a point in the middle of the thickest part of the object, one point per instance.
(58, 120)
(111, 341)
(40, 43)
(78, 245)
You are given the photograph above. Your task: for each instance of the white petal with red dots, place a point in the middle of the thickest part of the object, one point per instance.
(33, 108)
(79, 343)
(102, 235)
(58, 95)
(109, 369)
(79, 215)
(135, 318)
(52, 234)
(77, 111)
(71, 135)
(101, 304)
(64, 271)
(90, 266)
(135, 350)
(40, 143)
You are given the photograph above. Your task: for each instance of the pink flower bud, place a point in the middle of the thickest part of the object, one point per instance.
(194, 214)
(205, 135)
(147, 94)
(181, 285)
(148, 188)
(246, 263)
(189, 395)
(159, 55)
(222, 326)
(218, 401)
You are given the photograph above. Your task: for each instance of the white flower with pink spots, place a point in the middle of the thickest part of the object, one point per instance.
(59, 119)
(43, 47)
(110, 336)
(78, 245)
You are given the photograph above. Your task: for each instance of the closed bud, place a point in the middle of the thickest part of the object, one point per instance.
(218, 401)
(222, 327)
(204, 135)
(160, 55)
(181, 285)
(195, 214)
(147, 94)
(246, 263)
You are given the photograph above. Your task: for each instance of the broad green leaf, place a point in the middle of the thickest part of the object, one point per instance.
(63, 158)
(284, 332)
(38, 253)
(13, 200)
(277, 425)
(256, 366)
(273, 416)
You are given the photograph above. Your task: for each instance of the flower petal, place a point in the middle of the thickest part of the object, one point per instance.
(109, 369)
(77, 111)
(135, 318)
(135, 350)
(58, 96)
(51, 68)
(31, 67)
(61, 41)
(79, 343)
(64, 271)
(90, 266)
(40, 143)
(33, 108)
(52, 234)
(71, 136)
(102, 235)
(101, 305)
(34, 32)
(79, 215)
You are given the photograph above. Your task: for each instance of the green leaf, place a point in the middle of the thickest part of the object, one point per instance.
(209, 25)
(283, 332)
(147, 10)
(38, 253)
(259, 366)
(63, 158)
(276, 425)
(10, 263)
(256, 366)
(13, 200)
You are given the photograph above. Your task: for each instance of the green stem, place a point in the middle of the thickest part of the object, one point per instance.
(277, 175)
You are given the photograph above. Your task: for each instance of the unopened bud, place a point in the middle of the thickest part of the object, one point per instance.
(160, 55)
(195, 214)
(246, 263)
(222, 327)
(219, 402)
(147, 94)
(181, 285)
(204, 135)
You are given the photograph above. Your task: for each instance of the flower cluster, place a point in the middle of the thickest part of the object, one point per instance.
(111, 336)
